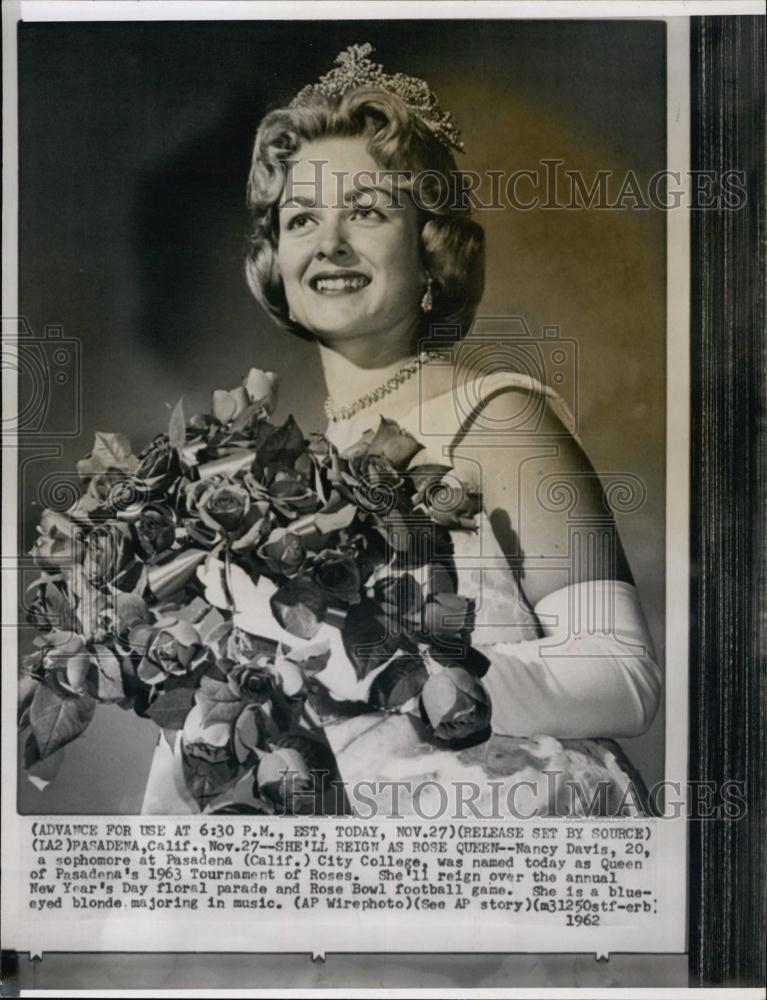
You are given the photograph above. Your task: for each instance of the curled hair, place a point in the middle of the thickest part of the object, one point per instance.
(452, 244)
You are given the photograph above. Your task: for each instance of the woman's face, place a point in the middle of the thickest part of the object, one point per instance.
(349, 245)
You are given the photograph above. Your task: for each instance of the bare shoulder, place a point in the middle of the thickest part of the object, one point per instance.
(537, 477)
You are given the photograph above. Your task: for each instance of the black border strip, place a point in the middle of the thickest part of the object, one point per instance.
(727, 876)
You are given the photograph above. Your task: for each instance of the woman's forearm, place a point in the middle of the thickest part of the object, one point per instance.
(594, 673)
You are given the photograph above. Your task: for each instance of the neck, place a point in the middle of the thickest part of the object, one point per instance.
(355, 367)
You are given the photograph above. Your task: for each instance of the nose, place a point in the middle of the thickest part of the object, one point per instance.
(333, 244)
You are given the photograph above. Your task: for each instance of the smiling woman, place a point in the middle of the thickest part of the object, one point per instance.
(353, 270)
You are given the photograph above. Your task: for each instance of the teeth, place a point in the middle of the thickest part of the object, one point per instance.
(339, 284)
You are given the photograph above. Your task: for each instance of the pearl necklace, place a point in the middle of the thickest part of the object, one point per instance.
(338, 413)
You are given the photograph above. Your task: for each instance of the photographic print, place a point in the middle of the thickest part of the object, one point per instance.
(351, 445)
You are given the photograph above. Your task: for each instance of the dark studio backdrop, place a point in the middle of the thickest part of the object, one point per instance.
(134, 149)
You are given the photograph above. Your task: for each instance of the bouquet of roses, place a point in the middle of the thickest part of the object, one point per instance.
(243, 586)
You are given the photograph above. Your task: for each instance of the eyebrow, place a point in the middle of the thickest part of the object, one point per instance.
(303, 201)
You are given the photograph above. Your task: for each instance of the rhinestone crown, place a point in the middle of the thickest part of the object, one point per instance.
(354, 69)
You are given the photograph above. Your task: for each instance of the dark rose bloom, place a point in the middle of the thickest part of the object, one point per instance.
(375, 483)
(290, 492)
(254, 684)
(168, 647)
(337, 574)
(449, 502)
(109, 552)
(397, 446)
(456, 707)
(223, 507)
(158, 464)
(155, 529)
(283, 553)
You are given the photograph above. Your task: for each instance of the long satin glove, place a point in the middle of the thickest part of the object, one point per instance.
(593, 674)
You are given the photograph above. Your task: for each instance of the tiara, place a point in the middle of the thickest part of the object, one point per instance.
(353, 69)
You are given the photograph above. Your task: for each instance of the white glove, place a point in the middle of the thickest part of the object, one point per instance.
(593, 674)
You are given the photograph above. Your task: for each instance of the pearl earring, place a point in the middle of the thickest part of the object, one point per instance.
(426, 301)
(291, 317)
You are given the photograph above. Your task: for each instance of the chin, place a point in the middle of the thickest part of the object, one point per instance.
(337, 325)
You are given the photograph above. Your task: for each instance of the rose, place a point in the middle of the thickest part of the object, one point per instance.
(283, 553)
(223, 507)
(229, 404)
(109, 553)
(261, 388)
(66, 656)
(457, 707)
(295, 773)
(209, 744)
(375, 483)
(155, 529)
(449, 502)
(258, 389)
(289, 491)
(338, 576)
(252, 683)
(169, 648)
(397, 446)
(158, 464)
(59, 545)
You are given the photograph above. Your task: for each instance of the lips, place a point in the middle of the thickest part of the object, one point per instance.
(342, 283)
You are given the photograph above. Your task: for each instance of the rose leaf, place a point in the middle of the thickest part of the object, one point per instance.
(40, 772)
(171, 708)
(113, 451)
(398, 683)
(58, 719)
(299, 606)
(177, 426)
(109, 675)
(367, 639)
(205, 780)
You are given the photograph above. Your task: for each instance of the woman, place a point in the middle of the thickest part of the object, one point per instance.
(342, 251)
(355, 246)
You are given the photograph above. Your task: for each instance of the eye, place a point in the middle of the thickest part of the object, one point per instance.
(366, 214)
(300, 221)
